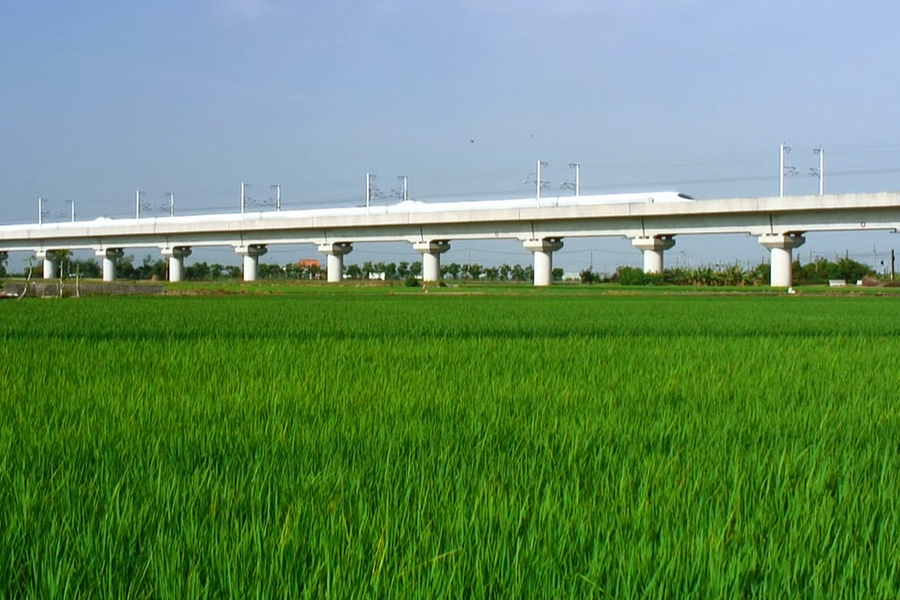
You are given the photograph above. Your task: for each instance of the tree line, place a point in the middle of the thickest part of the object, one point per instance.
(819, 271)
(157, 268)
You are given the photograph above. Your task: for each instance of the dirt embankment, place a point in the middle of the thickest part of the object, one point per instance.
(55, 289)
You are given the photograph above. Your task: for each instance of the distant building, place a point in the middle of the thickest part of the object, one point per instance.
(308, 263)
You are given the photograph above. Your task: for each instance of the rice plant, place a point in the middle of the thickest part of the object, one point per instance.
(427, 446)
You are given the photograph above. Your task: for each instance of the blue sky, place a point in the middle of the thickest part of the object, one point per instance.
(194, 96)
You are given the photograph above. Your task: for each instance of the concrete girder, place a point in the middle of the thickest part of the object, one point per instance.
(754, 216)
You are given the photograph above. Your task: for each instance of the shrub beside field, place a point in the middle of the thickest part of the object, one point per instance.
(428, 446)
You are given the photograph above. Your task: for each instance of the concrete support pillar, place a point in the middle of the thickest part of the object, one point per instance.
(335, 252)
(51, 263)
(431, 258)
(653, 248)
(251, 254)
(110, 256)
(176, 258)
(780, 249)
(543, 258)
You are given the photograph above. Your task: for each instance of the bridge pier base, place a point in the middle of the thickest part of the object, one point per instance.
(335, 253)
(110, 256)
(543, 258)
(251, 254)
(431, 258)
(51, 263)
(653, 248)
(780, 249)
(176, 258)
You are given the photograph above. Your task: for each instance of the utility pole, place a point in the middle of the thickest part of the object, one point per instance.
(72, 202)
(405, 192)
(892, 265)
(40, 211)
(171, 197)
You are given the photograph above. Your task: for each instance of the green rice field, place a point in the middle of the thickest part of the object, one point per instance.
(503, 445)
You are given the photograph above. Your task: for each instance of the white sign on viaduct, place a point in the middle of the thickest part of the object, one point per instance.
(652, 221)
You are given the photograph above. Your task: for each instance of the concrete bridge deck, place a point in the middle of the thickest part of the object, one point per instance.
(652, 223)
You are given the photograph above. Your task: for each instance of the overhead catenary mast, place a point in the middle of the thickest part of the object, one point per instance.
(404, 194)
(539, 183)
(577, 168)
(244, 187)
(137, 203)
(277, 189)
(820, 173)
(782, 153)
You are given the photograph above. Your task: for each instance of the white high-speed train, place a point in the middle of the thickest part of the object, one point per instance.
(418, 206)
(415, 206)
(406, 207)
